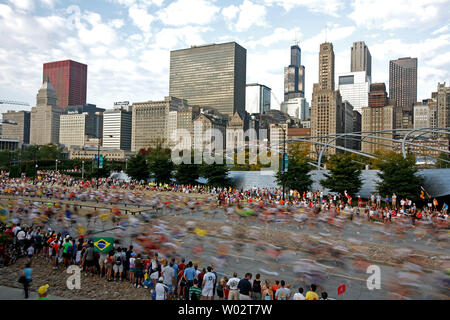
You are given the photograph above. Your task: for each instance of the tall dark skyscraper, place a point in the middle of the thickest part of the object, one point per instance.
(403, 81)
(294, 76)
(361, 60)
(69, 78)
(403, 89)
(210, 75)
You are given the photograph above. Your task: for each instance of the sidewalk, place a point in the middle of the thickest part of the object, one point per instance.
(7, 293)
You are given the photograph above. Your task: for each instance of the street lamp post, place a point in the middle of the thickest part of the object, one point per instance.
(283, 162)
(82, 170)
(98, 156)
(98, 160)
(56, 165)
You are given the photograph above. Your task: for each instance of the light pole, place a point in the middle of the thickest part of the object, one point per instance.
(56, 165)
(283, 160)
(82, 170)
(98, 156)
(98, 160)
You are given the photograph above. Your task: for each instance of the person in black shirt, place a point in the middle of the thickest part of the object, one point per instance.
(256, 290)
(245, 287)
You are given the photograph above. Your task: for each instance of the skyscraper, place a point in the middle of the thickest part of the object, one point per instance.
(361, 60)
(69, 79)
(44, 118)
(210, 76)
(150, 122)
(354, 87)
(75, 128)
(296, 108)
(294, 76)
(257, 98)
(117, 128)
(403, 82)
(378, 116)
(326, 104)
(326, 66)
(443, 106)
(20, 130)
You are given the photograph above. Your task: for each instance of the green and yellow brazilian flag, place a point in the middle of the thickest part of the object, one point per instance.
(103, 244)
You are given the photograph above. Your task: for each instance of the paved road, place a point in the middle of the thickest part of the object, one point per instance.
(7, 293)
(246, 257)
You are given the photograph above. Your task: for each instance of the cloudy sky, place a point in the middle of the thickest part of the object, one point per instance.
(126, 43)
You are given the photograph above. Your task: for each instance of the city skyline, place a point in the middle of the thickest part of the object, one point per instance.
(130, 41)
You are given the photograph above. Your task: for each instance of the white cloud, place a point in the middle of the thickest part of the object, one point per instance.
(329, 7)
(99, 33)
(279, 34)
(176, 38)
(27, 5)
(49, 3)
(333, 34)
(146, 3)
(389, 15)
(230, 12)
(156, 61)
(184, 12)
(249, 14)
(441, 30)
(395, 48)
(117, 23)
(141, 18)
(440, 60)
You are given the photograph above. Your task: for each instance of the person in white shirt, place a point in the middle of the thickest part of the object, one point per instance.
(160, 290)
(299, 295)
(21, 235)
(169, 277)
(233, 285)
(209, 279)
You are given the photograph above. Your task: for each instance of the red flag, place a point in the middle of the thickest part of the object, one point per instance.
(341, 289)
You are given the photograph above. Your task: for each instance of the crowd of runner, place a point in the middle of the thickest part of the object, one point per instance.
(46, 202)
(53, 184)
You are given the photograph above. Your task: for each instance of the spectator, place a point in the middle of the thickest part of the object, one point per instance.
(232, 284)
(161, 290)
(299, 295)
(311, 294)
(195, 292)
(245, 287)
(208, 284)
(256, 288)
(282, 293)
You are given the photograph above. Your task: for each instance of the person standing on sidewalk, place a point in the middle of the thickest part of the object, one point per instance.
(245, 287)
(233, 286)
(27, 278)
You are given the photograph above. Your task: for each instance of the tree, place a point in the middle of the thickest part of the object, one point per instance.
(398, 175)
(187, 173)
(217, 174)
(443, 160)
(297, 177)
(137, 167)
(160, 165)
(344, 174)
